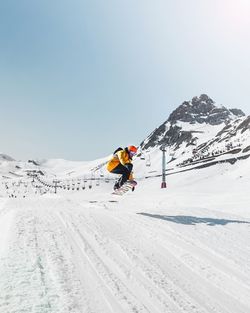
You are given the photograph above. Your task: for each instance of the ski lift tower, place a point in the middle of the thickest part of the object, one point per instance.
(56, 185)
(163, 183)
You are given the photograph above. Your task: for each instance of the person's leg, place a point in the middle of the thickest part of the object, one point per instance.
(126, 174)
(118, 170)
(124, 171)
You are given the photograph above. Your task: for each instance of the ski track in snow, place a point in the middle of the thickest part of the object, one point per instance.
(65, 256)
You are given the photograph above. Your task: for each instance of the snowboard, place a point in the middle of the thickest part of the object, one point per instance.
(128, 185)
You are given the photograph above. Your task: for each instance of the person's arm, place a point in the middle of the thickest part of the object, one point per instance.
(123, 157)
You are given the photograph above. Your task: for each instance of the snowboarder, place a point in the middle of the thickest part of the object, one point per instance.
(121, 163)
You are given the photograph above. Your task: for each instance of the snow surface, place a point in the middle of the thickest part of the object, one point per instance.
(181, 249)
(204, 132)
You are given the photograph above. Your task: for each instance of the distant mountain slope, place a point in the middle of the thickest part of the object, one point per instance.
(234, 136)
(200, 131)
(192, 120)
(5, 157)
(203, 110)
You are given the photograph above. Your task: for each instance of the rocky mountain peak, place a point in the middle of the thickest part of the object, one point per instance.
(200, 110)
(203, 110)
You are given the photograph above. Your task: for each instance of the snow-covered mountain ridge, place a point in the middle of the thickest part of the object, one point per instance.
(199, 128)
(189, 121)
(203, 110)
(5, 157)
(199, 132)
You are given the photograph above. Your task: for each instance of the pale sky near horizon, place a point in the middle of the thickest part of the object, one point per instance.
(79, 78)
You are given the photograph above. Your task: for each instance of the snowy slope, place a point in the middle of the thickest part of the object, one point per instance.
(184, 249)
(180, 249)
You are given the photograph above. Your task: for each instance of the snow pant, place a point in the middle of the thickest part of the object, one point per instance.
(125, 171)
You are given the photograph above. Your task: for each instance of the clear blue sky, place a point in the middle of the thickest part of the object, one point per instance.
(79, 78)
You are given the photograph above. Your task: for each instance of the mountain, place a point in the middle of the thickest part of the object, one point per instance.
(234, 138)
(203, 110)
(5, 157)
(199, 131)
(196, 124)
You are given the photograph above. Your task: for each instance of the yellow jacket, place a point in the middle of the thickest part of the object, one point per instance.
(120, 157)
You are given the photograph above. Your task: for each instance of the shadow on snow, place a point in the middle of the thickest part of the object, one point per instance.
(193, 220)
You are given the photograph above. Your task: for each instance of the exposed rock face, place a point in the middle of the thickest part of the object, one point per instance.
(233, 138)
(245, 125)
(203, 110)
(239, 125)
(237, 112)
(33, 162)
(200, 110)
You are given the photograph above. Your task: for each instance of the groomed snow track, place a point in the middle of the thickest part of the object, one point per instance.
(61, 255)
